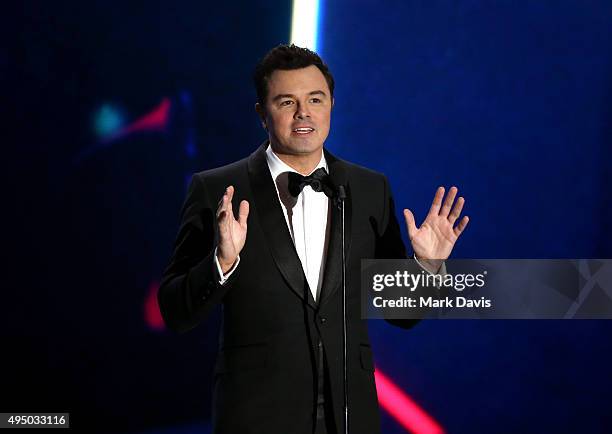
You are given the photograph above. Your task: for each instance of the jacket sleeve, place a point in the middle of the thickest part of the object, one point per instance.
(389, 244)
(190, 287)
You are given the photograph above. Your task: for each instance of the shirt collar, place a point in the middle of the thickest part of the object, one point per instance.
(278, 166)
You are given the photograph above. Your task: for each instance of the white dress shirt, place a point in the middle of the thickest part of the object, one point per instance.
(307, 218)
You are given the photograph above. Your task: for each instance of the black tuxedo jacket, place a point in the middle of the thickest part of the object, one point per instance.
(266, 370)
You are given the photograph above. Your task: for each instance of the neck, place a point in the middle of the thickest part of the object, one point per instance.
(303, 164)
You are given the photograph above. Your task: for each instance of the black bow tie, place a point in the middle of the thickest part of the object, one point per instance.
(318, 181)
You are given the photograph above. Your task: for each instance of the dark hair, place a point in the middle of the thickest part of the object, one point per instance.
(287, 57)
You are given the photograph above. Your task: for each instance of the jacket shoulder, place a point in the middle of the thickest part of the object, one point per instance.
(222, 172)
(364, 173)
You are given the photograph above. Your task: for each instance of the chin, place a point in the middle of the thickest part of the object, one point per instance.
(302, 146)
(308, 148)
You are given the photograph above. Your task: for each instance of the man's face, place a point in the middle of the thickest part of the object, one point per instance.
(297, 111)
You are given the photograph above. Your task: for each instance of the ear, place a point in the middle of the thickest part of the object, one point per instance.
(262, 115)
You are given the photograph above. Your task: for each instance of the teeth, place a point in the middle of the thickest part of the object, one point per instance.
(303, 130)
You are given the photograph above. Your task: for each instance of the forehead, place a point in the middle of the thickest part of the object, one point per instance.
(297, 81)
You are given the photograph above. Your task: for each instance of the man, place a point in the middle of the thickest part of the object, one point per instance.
(276, 267)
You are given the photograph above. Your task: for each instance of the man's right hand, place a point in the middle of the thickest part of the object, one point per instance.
(232, 232)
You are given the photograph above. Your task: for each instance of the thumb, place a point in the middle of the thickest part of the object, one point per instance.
(410, 223)
(243, 213)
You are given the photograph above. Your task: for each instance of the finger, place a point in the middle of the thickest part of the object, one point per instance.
(448, 202)
(410, 223)
(225, 193)
(223, 227)
(230, 192)
(243, 213)
(222, 205)
(461, 226)
(230, 196)
(456, 212)
(437, 201)
(226, 201)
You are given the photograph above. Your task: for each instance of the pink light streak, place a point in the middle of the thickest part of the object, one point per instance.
(152, 316)
(403, 409)
(156, 120)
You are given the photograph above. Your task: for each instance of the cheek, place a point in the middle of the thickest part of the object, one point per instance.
(324, 117)
(324, 121)
(282, 123)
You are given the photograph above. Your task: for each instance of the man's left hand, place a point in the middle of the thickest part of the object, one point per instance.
(434, 240)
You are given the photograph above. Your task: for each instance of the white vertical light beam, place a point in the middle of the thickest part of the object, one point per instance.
(304, 23)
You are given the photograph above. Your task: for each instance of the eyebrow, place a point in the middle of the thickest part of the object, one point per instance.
(288, 95)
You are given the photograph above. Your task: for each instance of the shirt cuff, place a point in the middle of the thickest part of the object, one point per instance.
(441, 270)
(223, 277)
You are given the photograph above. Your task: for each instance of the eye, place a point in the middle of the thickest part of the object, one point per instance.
(286, 102)
(315, 100)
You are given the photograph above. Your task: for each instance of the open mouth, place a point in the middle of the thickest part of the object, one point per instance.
(303, 131)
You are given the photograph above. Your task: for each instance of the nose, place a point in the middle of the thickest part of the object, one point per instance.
(301, 112)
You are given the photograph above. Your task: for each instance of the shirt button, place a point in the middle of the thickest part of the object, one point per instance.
(323, 319)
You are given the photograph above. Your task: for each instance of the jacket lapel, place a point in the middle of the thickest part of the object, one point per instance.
(274, 225)
(332, 274)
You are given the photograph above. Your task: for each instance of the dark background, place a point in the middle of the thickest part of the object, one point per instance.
(511, 101)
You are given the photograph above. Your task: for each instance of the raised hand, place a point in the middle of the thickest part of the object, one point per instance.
(232, 232)
(434, 240)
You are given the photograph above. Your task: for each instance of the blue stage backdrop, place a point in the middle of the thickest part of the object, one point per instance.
(512, 102)
(115, 105)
